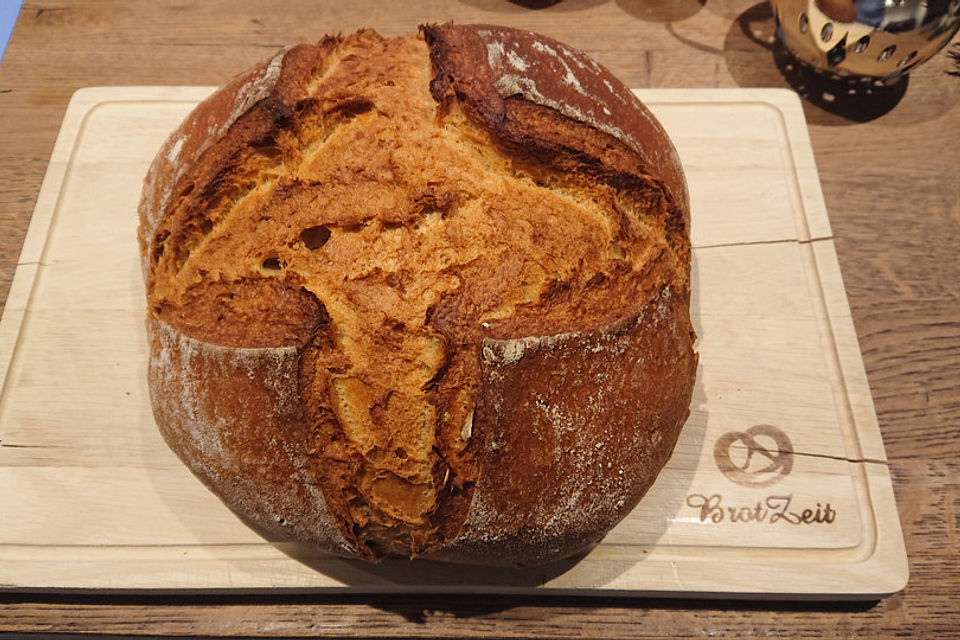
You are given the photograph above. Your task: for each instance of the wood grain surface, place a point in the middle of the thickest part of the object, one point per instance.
(888, 165)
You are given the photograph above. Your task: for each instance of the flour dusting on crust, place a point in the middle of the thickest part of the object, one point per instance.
(588, 463)
(198, 132)
(559, 61)
(195, 385)
(521, 62)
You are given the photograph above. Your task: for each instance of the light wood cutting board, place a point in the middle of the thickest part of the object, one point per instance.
(779, 485)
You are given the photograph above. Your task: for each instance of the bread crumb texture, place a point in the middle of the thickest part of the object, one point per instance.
(352, 203)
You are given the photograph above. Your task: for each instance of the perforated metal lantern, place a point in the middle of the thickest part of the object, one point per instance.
(871, 38)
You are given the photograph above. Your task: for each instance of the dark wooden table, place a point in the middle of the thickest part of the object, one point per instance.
(888, 162)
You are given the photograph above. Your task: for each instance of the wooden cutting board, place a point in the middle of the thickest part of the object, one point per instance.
(779, 485)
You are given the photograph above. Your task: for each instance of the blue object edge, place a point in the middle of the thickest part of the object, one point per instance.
(9, 12)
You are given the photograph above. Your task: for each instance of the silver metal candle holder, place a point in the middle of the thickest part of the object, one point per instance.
(885, 40)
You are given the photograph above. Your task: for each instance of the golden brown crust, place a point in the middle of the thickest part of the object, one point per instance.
(590, 447)
(541, 93)
(234, 416)
(370, 261)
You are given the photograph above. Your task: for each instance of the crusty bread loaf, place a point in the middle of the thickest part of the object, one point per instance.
(426, 295)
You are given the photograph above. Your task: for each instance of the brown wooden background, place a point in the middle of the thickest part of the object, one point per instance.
(888, 162)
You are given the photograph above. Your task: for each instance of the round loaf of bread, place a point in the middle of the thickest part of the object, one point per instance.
(422, 296)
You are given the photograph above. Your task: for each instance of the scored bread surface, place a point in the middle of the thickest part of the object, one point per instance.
(422, 295)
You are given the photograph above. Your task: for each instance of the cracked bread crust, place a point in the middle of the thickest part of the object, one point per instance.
(422, 296)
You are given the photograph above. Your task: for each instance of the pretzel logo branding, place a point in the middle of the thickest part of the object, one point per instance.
(763, 464)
